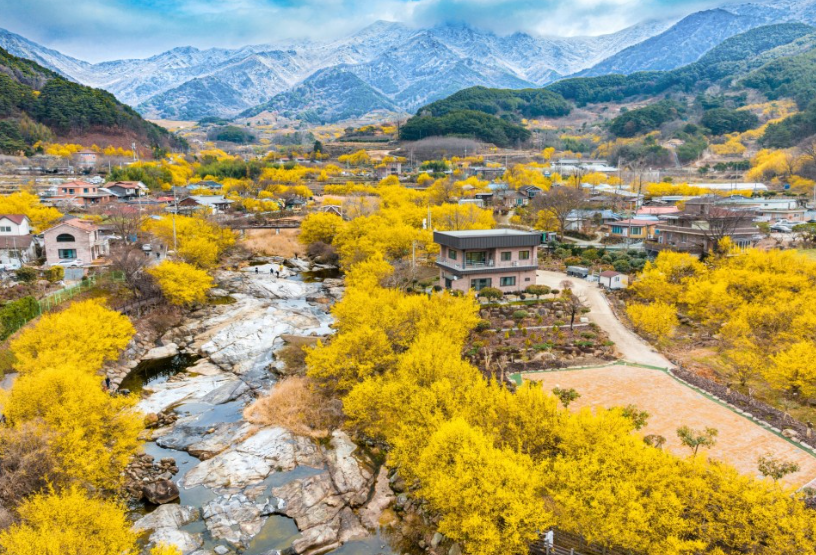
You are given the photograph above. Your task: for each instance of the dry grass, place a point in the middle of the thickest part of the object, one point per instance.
(670, 405)
(267, 242)
(295, 405)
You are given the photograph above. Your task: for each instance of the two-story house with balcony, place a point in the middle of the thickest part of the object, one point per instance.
(74, 239)
(80, 193)
(699, 227)
(506, 259)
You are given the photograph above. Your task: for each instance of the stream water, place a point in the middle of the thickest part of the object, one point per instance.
(156, 371)
(277, 532)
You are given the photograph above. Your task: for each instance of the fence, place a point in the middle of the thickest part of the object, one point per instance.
(51, 301)
(570, 544)
(55, 299)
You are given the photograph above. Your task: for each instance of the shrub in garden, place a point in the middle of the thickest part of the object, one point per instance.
(55, 273)
(622, 265)
(520, 314)
(26, 274)
(491, 293)
(537, 290)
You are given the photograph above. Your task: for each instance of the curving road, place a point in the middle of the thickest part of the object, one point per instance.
(628, 344)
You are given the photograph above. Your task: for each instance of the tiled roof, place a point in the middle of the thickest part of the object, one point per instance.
(16, 218)
(15, 241)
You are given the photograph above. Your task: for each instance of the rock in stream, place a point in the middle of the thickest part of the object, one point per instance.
(243, 474)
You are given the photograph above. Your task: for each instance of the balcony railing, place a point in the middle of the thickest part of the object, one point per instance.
(488, 265)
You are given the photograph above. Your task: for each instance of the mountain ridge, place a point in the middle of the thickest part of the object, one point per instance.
(167, 84)
(39, 105)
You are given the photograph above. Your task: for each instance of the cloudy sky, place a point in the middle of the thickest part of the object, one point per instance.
(98, 30)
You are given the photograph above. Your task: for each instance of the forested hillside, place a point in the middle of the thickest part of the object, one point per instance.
(36, 104)
(465, 123)
(777, 61)
(733, 58)
(516, 104)
(491, 115)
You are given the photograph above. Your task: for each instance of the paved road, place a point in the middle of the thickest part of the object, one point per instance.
(630, 346)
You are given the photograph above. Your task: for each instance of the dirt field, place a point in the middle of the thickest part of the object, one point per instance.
(268, 242)
(671, 405)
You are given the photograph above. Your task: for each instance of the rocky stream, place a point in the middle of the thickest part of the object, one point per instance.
(213, 483)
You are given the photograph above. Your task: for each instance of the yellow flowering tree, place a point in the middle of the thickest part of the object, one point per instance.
(181, 283)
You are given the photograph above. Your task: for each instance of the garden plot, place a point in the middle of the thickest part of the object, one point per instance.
(671, 405)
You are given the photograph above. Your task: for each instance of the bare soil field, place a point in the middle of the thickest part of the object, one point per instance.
(268, 242)
(671, 405)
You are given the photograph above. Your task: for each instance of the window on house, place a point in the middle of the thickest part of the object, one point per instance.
(617, 230)
(637, 231)
(452, 254)
(85, 190)
(476, 258)
(508, 281)
(70, 191)
(505, 256)
(65, 238)
(66, 254)
(481, 283)
(5, 228)
(524, 255)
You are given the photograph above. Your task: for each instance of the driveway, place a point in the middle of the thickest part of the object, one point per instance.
(628, 344)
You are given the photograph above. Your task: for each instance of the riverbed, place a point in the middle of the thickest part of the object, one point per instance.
(245, 488)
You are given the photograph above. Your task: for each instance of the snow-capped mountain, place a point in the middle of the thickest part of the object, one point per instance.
(394, 67)
(680, 45)
(407, 67)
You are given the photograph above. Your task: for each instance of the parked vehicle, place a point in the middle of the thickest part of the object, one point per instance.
(779, 228)
(68, 263)
(147, 248)
(577, 271)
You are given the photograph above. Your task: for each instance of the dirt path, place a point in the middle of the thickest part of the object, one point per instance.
(670, 405)
(631, 347)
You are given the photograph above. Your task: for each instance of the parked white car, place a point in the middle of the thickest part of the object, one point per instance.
(68, 263)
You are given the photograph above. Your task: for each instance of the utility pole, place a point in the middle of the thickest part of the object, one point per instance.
(175, 210)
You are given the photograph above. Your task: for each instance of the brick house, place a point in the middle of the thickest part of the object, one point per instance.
(506, 259)
(74, 239)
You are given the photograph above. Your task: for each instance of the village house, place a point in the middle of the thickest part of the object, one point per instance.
(584, 219)
(527, 193)
(389, 168)
(637, 229)
(17, 245)
(80, 193)
(701, 225)
(125, 190)
(74, 239)
(217, 204)
(85, 160)
(657, 211)
(770, 210)
(506, 259)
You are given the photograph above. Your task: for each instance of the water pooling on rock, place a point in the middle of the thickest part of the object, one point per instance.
(247, 488)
